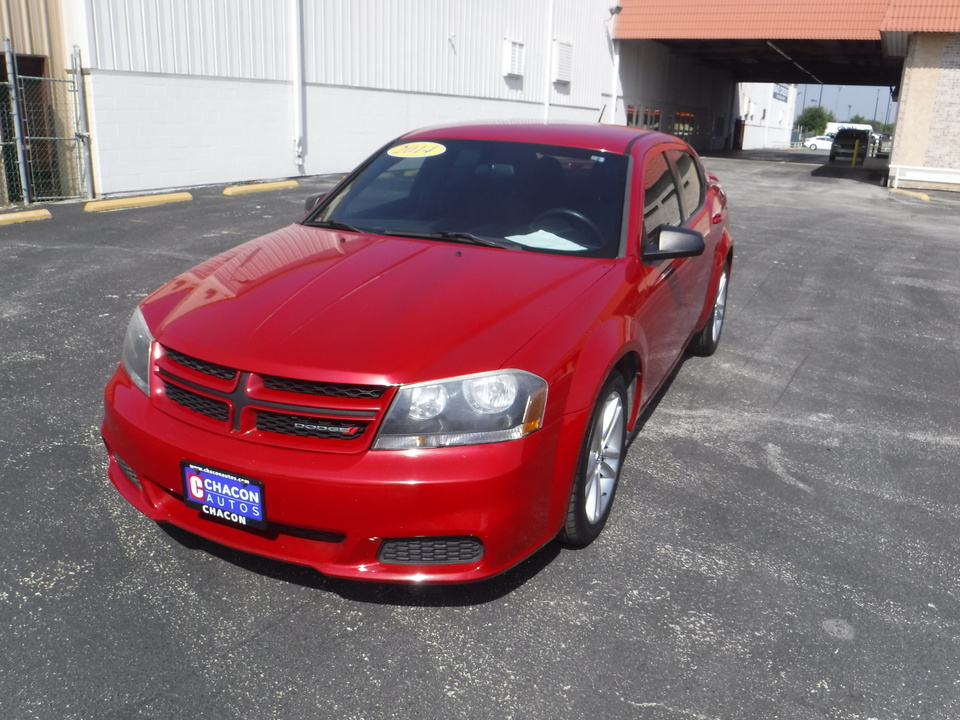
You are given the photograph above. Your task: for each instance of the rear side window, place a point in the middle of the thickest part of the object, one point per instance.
(691, 184)
(661, 205)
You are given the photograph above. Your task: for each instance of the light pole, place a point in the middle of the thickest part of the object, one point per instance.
(876, 105)
(837, 103)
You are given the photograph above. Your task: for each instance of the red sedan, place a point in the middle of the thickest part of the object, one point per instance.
(435, 372)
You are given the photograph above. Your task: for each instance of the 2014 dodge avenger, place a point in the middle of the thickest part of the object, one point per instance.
(435, 372)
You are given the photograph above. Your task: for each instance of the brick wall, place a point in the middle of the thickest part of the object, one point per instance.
(943, 148)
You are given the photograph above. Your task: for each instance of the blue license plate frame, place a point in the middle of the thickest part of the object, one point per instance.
(222, 495)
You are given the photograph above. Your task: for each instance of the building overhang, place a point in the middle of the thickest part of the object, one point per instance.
(856, 42)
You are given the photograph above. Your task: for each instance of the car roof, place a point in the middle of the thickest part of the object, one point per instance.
(611, 138)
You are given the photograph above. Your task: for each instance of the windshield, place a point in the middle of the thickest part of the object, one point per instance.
(528, 196)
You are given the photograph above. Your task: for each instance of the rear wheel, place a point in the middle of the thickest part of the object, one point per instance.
(599, 469)
(705, 342)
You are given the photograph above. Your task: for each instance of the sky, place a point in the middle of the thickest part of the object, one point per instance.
(845, 101)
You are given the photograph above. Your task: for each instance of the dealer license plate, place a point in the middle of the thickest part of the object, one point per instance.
(224, 496)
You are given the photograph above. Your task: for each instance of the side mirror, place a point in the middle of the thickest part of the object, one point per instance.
(673, 242)
(311, 202)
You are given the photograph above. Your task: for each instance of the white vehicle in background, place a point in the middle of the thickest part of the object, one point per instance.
(834, 127)
(821, 142)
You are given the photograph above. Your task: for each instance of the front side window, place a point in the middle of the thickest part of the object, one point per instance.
(691, 184)
(661, 204)
(519, 195)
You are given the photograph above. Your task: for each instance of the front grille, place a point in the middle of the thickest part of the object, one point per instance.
(216, 409)
(308, 414)
(430, 551)
(208, 368)
(308, 387)
(306, 426)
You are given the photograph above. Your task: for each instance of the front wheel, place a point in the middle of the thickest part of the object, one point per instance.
(705, 342)
(599, 469)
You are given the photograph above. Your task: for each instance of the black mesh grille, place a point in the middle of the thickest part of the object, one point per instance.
(216, 409)
(208, 368)
(306, 426)
(127, 470)
(430, 551)
(308, 387)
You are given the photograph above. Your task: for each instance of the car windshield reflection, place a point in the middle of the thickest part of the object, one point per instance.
(517, 195)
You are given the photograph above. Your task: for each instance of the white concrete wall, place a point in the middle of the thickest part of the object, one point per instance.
(336, 141)
(189, 92)
(768, 121)
(155, 132)
(160, 131)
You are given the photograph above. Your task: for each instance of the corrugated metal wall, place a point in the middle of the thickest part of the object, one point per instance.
(35, 27)
(446, 47)
(216, 38)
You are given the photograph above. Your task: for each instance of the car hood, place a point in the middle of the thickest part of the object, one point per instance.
(317, 304)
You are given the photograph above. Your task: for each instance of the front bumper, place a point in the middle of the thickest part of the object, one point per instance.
(333, 512)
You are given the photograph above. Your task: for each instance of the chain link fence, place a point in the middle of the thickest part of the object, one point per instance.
(42, 143)
(9, 176)
(51, 135)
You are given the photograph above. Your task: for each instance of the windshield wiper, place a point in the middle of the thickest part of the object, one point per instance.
(461, 237)
(334, 225)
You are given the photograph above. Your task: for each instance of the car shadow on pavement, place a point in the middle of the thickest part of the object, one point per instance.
(873, 173)
(373, 592)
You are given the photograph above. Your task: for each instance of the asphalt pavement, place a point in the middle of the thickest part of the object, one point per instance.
(783, 544)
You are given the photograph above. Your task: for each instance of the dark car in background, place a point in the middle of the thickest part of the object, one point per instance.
(884, 145)
(851, 143)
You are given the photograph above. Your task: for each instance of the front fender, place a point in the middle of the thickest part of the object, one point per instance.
(721, 256)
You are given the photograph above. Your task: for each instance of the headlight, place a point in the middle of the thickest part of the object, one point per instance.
(471, 410)
(135, 357)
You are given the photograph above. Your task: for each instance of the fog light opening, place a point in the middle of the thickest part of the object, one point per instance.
(128, 472)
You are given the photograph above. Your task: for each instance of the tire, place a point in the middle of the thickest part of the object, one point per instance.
(598, 472)
(813, 146)
(833, 157)
(705, 342)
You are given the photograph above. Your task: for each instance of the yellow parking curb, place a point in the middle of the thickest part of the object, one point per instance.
(259, 187)
(25, 216)
(911, 193)
(138, 201)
